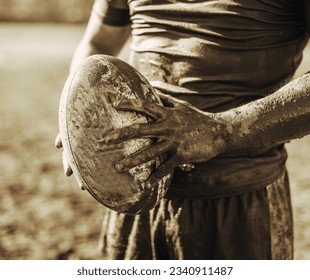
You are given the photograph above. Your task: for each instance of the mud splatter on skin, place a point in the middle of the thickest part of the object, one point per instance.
(279, 117)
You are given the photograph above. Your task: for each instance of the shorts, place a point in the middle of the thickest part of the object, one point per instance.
(255, 225)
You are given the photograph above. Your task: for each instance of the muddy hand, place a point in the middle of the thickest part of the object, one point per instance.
(67, 169)
(181, 131)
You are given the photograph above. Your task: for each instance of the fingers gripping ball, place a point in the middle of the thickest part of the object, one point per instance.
(87, 114)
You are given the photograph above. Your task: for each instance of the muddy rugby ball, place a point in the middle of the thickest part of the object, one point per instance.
(86, 114)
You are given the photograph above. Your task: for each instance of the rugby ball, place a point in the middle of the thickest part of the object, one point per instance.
(86, 115)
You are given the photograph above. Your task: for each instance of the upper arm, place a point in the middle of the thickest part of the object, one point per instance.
(108, 27)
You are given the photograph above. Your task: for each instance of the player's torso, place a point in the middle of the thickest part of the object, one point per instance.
(225, 49)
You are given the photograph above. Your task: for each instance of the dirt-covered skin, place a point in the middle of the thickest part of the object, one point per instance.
(183, 132)
(279, 117)
(187, 134)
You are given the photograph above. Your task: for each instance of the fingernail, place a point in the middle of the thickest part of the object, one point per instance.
(58, 144)
(119, 166)
(115, 103)
(82, 186)
(106, 139)
(69, 172)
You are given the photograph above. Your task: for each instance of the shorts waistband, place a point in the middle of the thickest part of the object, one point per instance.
(227, 176)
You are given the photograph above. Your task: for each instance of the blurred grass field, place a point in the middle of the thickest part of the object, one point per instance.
(43, 214)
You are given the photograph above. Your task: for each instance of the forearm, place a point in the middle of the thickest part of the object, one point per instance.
(279, 117)
(88, 47)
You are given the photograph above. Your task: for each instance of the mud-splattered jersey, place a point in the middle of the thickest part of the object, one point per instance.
(218, 54)
(226, 50)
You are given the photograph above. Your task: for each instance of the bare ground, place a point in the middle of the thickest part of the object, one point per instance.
(43, 214)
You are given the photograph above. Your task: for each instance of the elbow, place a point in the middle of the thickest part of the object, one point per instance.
(101, 48)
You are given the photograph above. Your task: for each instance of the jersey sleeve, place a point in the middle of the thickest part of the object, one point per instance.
(112, 12)
(306, 8)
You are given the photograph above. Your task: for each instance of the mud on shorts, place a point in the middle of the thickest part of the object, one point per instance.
(253, 225)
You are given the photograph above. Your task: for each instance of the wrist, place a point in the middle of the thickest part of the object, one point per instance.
(220, 133)
(239, 130)
(227, 127)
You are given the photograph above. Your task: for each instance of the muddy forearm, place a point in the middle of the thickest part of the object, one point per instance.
(279, 117)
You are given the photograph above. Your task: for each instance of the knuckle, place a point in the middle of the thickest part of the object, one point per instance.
(134, 127)
(164, 170)
(178, 159)
(132, 161)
